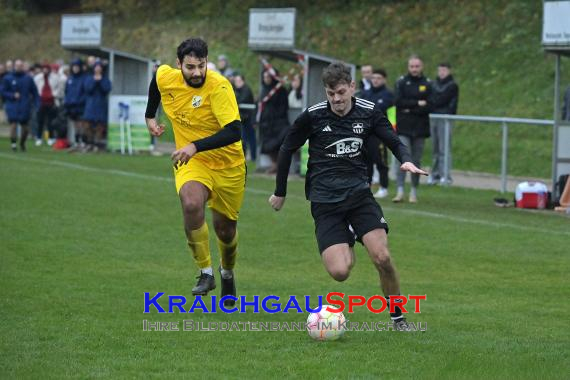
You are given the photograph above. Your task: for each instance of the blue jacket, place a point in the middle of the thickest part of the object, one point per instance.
(381, 96)
(74, 93)
(19, 110)
(96, 99)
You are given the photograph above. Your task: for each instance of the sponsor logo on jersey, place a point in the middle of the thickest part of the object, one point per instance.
(346, 147)
(196, 101)
(357, 128)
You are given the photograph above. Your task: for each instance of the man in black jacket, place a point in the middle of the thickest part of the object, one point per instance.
(244, 95)
(446, 95)
(413, 93)
(566, 105)
(380, 95)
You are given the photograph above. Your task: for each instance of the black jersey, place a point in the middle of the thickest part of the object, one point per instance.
(337, 160)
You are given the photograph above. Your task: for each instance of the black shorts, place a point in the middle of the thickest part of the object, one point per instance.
(332, 220)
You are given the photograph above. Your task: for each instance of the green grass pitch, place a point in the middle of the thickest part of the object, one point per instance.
(82, 237)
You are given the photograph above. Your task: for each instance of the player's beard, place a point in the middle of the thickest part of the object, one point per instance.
(194, 84)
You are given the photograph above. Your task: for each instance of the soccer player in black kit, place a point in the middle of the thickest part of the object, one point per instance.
(337, 186)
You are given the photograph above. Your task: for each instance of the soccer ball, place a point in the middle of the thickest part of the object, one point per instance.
(326, 325)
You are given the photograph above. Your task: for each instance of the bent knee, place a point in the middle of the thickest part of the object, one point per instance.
(340, 275)
(382, 258)
(225, 231)
(192, 206)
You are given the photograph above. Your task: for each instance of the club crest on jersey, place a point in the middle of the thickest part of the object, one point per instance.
(357, 128)
(196, 101)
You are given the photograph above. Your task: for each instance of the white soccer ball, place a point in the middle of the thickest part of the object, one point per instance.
(326, 325)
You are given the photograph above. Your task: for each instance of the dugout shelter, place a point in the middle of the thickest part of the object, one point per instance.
(272, 36)
(556, 40)
(129, 74)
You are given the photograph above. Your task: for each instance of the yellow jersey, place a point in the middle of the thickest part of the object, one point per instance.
(196, 113)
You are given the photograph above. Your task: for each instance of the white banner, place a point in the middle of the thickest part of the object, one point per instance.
(272, 27)
(81, 30)
(556, 23)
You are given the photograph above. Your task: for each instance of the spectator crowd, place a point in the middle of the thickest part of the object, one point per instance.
(64, 106)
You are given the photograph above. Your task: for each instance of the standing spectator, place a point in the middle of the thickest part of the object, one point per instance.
(20, 97)
(97, 88)
(3, 73)
(366, 81)
(244, 95)
(224, 67)
(296, 92)
(413, 104)
(60, 70)
(60, 122)
(274, 118)
(566, 105)
(90, 62)
(34, 69)
(445, 98)
(152, 147)
(47, 83)
(74, 103)
(212, 66)
(380, 95)
(9, 66)
(28, 66)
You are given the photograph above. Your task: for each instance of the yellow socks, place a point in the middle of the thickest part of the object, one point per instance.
(200, 246)
(199, 243)
(228, 253)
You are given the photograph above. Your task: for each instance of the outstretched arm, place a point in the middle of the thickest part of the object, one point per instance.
(383, 129)
(296, 137)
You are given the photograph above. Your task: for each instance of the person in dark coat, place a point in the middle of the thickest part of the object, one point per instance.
(413, 99)
(566, 105)
(74, 101)
(446, 96)
(244, 95)
(97, 88)
(20, 97)
(3, 73)
(274, 119)
(380, 95)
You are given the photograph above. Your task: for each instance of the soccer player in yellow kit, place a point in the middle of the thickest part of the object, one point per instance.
(209, 164)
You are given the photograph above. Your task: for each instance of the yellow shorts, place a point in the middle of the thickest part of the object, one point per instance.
(227, 186)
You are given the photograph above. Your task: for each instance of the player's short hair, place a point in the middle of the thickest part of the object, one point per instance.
(194, 47)
(445, 64)
(381, 72)
(336, 73)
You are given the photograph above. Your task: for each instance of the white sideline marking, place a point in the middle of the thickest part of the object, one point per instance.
(294, 196)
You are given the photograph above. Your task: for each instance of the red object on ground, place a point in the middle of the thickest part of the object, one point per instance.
(61, 144)
(531, 195)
